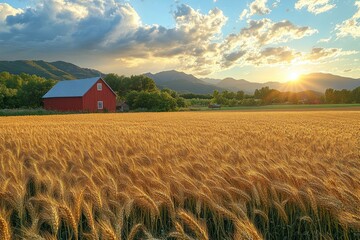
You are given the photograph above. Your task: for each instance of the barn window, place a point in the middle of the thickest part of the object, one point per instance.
(100, 105)
(99, 86)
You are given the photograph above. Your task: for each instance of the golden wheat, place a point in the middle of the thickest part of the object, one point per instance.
(208, 175)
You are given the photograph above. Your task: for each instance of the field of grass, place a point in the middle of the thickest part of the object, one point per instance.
(284, 107)
(26, 112)
(184, 175)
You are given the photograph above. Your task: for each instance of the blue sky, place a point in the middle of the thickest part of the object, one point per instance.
(257, 40)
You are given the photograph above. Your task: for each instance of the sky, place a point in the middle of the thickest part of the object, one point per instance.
(256, 40)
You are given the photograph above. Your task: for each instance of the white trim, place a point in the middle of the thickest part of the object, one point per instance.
(100, 105)
(108, 86)
(99, 86)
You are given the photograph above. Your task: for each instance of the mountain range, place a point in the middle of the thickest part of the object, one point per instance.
(52, 70)
(318, 82)
(182, 82)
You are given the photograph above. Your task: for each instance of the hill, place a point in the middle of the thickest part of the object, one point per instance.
(318, 82)
(182, 82)
(232, 84)
(52, 70)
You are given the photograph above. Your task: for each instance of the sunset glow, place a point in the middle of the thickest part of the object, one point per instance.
(293, 76)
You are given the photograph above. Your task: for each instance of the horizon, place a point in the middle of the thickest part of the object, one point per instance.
(257, 40)
(298, 78)
(293, 81)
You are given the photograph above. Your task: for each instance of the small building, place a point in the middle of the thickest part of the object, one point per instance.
(122, 106)
(214, 105)
(83, 95)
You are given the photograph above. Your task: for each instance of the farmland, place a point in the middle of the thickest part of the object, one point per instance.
(185, 175)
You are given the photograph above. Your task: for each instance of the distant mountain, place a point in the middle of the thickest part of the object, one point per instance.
(53, 70)
(232, 84)
(318, 82)
(185, 83)
(211, 80)
(182, 82)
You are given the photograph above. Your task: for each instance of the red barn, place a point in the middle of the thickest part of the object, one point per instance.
(88, 95)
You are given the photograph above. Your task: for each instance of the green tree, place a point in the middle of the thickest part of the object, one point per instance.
(240, 95)
(261, 93)
(180, 102)
(355, 95)
(329, 95)
(140, 83)
(123, 85)
(32, 90)
(114, 81)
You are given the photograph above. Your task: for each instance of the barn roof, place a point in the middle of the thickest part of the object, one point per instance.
(71, 88)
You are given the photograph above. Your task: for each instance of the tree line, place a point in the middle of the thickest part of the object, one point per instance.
(22, 91)
(141, 93)
(342, 96)
(267, 96)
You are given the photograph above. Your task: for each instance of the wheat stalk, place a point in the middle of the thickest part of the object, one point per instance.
(191, 221)
(4, 229)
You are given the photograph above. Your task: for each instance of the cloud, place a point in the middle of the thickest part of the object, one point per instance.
(324, 40)
(106, 27)
(259, 7)
(244, 14)
(5, 11)
(276, 3)
(315, 6)
(265, 31)
(273, 55)
(350, 27)
(256, 7)
(108, 33)
(250, 45)
(318, 54)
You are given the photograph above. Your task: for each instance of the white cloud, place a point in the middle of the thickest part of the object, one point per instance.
(286, 56)
(256, 7)
(350, 27)
(324, 40)
(250, 45)
(243, 14)
(259, 7)
(318, 54)
(276, 3)
(315, 6)
(273, 56)
(265, 31)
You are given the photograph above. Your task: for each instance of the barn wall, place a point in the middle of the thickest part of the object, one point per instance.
(64, 104)
(91, 98)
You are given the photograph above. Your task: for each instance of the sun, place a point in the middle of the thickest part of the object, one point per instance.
(293, 76)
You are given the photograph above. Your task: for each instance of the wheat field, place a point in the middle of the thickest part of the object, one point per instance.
(191, 175)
